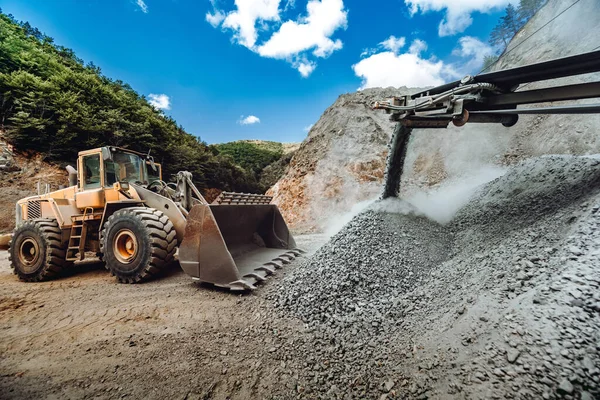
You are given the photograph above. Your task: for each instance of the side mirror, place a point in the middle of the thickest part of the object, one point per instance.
(152, 164)
(122, 186)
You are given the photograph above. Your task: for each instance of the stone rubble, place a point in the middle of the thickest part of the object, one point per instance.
(502, 302)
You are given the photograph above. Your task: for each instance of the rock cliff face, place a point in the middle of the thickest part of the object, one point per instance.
(341, 162)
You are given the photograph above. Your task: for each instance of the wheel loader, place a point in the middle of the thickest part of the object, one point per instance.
(118, 208)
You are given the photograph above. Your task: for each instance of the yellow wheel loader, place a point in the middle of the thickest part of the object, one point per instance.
(118, 207)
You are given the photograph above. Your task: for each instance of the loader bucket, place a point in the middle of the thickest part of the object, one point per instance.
(235, 246)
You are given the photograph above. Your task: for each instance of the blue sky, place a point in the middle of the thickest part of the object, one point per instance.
(266, 69)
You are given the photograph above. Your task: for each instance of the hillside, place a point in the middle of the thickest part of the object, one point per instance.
(265, 161)
(340, 165)
(55, 105)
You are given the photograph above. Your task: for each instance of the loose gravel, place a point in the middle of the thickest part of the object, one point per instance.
(356, 278)
(502, 302)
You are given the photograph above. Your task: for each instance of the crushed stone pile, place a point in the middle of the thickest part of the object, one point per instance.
(503, 302)
(533, 189)
(355, 279)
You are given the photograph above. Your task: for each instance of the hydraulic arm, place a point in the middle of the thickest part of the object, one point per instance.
(488, 98)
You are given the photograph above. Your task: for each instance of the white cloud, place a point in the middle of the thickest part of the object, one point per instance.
(249, 12)
(142, 5)
(417, 47)
(458, 12)
(411, 69)
(474, 50)
(160, 101)
(393, 43)
(389, 69)
(289, 4)
(305, 68)
(249, 120)
(307, 128)
(297, 41)
(310, 33)
(215, 18)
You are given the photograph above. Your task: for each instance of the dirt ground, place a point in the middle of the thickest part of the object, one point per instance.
(86, 336)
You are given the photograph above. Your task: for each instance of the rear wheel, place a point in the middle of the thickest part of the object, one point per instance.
(37, 251)
(137, 243)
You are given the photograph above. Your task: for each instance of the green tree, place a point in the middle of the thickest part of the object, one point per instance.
(511, 20)
(528, 8)
(500, 36)
(53, 103)
(489, 61)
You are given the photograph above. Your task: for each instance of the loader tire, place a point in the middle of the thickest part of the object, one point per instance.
(137, 243)
(37, 251)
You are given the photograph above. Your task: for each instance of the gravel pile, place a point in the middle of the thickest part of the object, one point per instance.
(531, 190)
(354, 281)
(501, 303)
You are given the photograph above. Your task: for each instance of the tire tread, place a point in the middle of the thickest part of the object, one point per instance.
(54, 259)
(162, 240)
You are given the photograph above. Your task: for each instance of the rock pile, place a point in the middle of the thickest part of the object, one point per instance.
(356, 278)
(501, 302)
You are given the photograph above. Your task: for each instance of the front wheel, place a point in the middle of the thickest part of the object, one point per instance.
(137, 243)
(37, 250)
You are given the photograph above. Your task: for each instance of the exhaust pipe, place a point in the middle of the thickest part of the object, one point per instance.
(72, 175)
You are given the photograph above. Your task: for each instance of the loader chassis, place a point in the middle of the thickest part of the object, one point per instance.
(121, 210)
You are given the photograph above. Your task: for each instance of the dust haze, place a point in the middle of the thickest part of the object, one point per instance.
(470, 159)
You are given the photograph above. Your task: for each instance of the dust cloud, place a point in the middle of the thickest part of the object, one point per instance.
(334, 225)
(441, 203)
(468, 157)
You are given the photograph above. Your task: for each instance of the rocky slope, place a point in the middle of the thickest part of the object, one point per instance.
(20, 175)
(468, 148)
(341, 162)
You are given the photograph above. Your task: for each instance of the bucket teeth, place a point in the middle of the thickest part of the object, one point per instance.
(268, 269)
(276, 264)
(260, 273)
(256, 276)
(283, 260)
(241, 286)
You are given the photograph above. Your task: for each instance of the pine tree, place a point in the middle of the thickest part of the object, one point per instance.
(500, 36)
(488, 61)
(511, 20)
(527, 9)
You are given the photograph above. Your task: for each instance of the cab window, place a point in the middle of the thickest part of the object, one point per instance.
(124, 167)
(91, 170)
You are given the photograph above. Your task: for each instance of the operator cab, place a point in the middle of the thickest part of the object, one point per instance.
(104, 167)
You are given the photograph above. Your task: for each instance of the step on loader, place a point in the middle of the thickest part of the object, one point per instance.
(118, 207)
